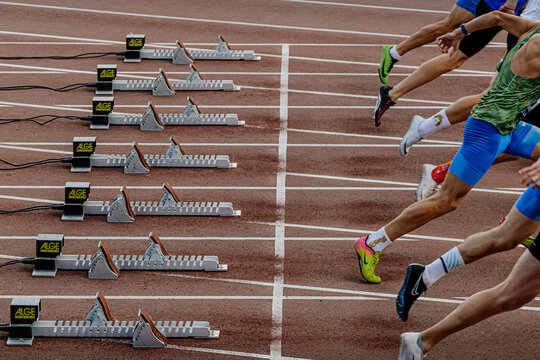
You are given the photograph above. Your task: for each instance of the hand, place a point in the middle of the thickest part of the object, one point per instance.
(449, 43)
(506, 9)
(531, 175)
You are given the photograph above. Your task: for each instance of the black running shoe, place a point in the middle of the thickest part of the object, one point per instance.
(413, 287)
(384, 101)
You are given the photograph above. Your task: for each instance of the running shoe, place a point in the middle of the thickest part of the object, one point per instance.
(413, 287)
(387, 63)
(410, 347)
(367, 260)
(384, 101)
(412, 136)
(528, 241)
(427, 185)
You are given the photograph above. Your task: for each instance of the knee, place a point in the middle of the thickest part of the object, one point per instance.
(509, 301)
(455, 61)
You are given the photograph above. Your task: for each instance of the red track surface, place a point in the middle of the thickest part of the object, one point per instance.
(334, 318)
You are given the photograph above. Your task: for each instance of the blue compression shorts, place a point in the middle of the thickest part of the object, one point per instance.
(482, 143)
(469, 5)
(529, 203)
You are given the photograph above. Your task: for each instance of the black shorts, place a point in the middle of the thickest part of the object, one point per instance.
(533, 117)
(472, 44)
(535, 248)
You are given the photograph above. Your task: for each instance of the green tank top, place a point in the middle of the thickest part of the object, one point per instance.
(508, 96)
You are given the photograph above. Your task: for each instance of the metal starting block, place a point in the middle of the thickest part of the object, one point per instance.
(135, 51)
(102, 265)
(160, 86)
(120, 209)
(151, 120)
(99, 323)
(137, 163)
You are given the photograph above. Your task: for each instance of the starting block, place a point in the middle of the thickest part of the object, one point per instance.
(103, 265)
(151, 120)
(135, 51)
(144, 333)
(121, 209)
(135, 162)
(160, 86)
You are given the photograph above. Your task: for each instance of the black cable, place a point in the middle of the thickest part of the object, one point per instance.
(91, 55)
(34, 163)
(33, 119)
(20, 261)
(34, 208)
(61, 89)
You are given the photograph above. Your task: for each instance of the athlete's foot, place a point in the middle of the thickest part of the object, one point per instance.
(427, 185)
(413, 286)
(367, 260)
(412, 136)
(384, 102)
(387, 63)
(410, 347)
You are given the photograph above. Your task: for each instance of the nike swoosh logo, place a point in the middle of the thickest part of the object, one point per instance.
(414, 291)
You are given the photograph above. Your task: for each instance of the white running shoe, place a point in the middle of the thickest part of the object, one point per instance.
(411, 136)
(427, 184)
(410, 347)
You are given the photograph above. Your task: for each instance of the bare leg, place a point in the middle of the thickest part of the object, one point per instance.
(507, 236)
(427, 72)
(444, 201)
(429, 33)
(521, 286)
(461, 109)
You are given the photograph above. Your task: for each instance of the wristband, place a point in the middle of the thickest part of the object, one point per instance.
(508, 8)
(463, 30)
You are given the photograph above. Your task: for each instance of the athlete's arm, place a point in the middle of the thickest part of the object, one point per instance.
(513, 24)
(531, 175)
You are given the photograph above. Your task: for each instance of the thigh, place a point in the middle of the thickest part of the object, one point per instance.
(482, 143)
(523, 141)
(463, 11)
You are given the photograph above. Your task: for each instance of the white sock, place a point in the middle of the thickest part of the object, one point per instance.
(446, 263)
(435, 123)
(394, 53)
(378, 240)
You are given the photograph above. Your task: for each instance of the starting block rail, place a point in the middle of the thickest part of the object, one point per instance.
(137, 163)
(160, 86)
(102, 265)
(151, 120)
(120, 209)
(135, 51)
(145, 333)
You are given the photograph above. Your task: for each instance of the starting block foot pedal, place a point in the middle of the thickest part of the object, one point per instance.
(99, 314)
(181, 55)
(135, 162)
(169, 197)
(161, 86)
(120, 209)
(150, 120)
(174, 151)
(146, 334)
(155, 250)
(102, 265)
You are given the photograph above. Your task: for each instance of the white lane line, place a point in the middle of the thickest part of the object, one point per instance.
(226, 22)
(43, 106)
(369, 136)
(385, 8)
(51, 72)
(227, 352)
(30, 199)
(359, 96)
(377, 295)
(173, 106)
(182, 238)
(349, 62)
(279, 244)
(34, 149)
